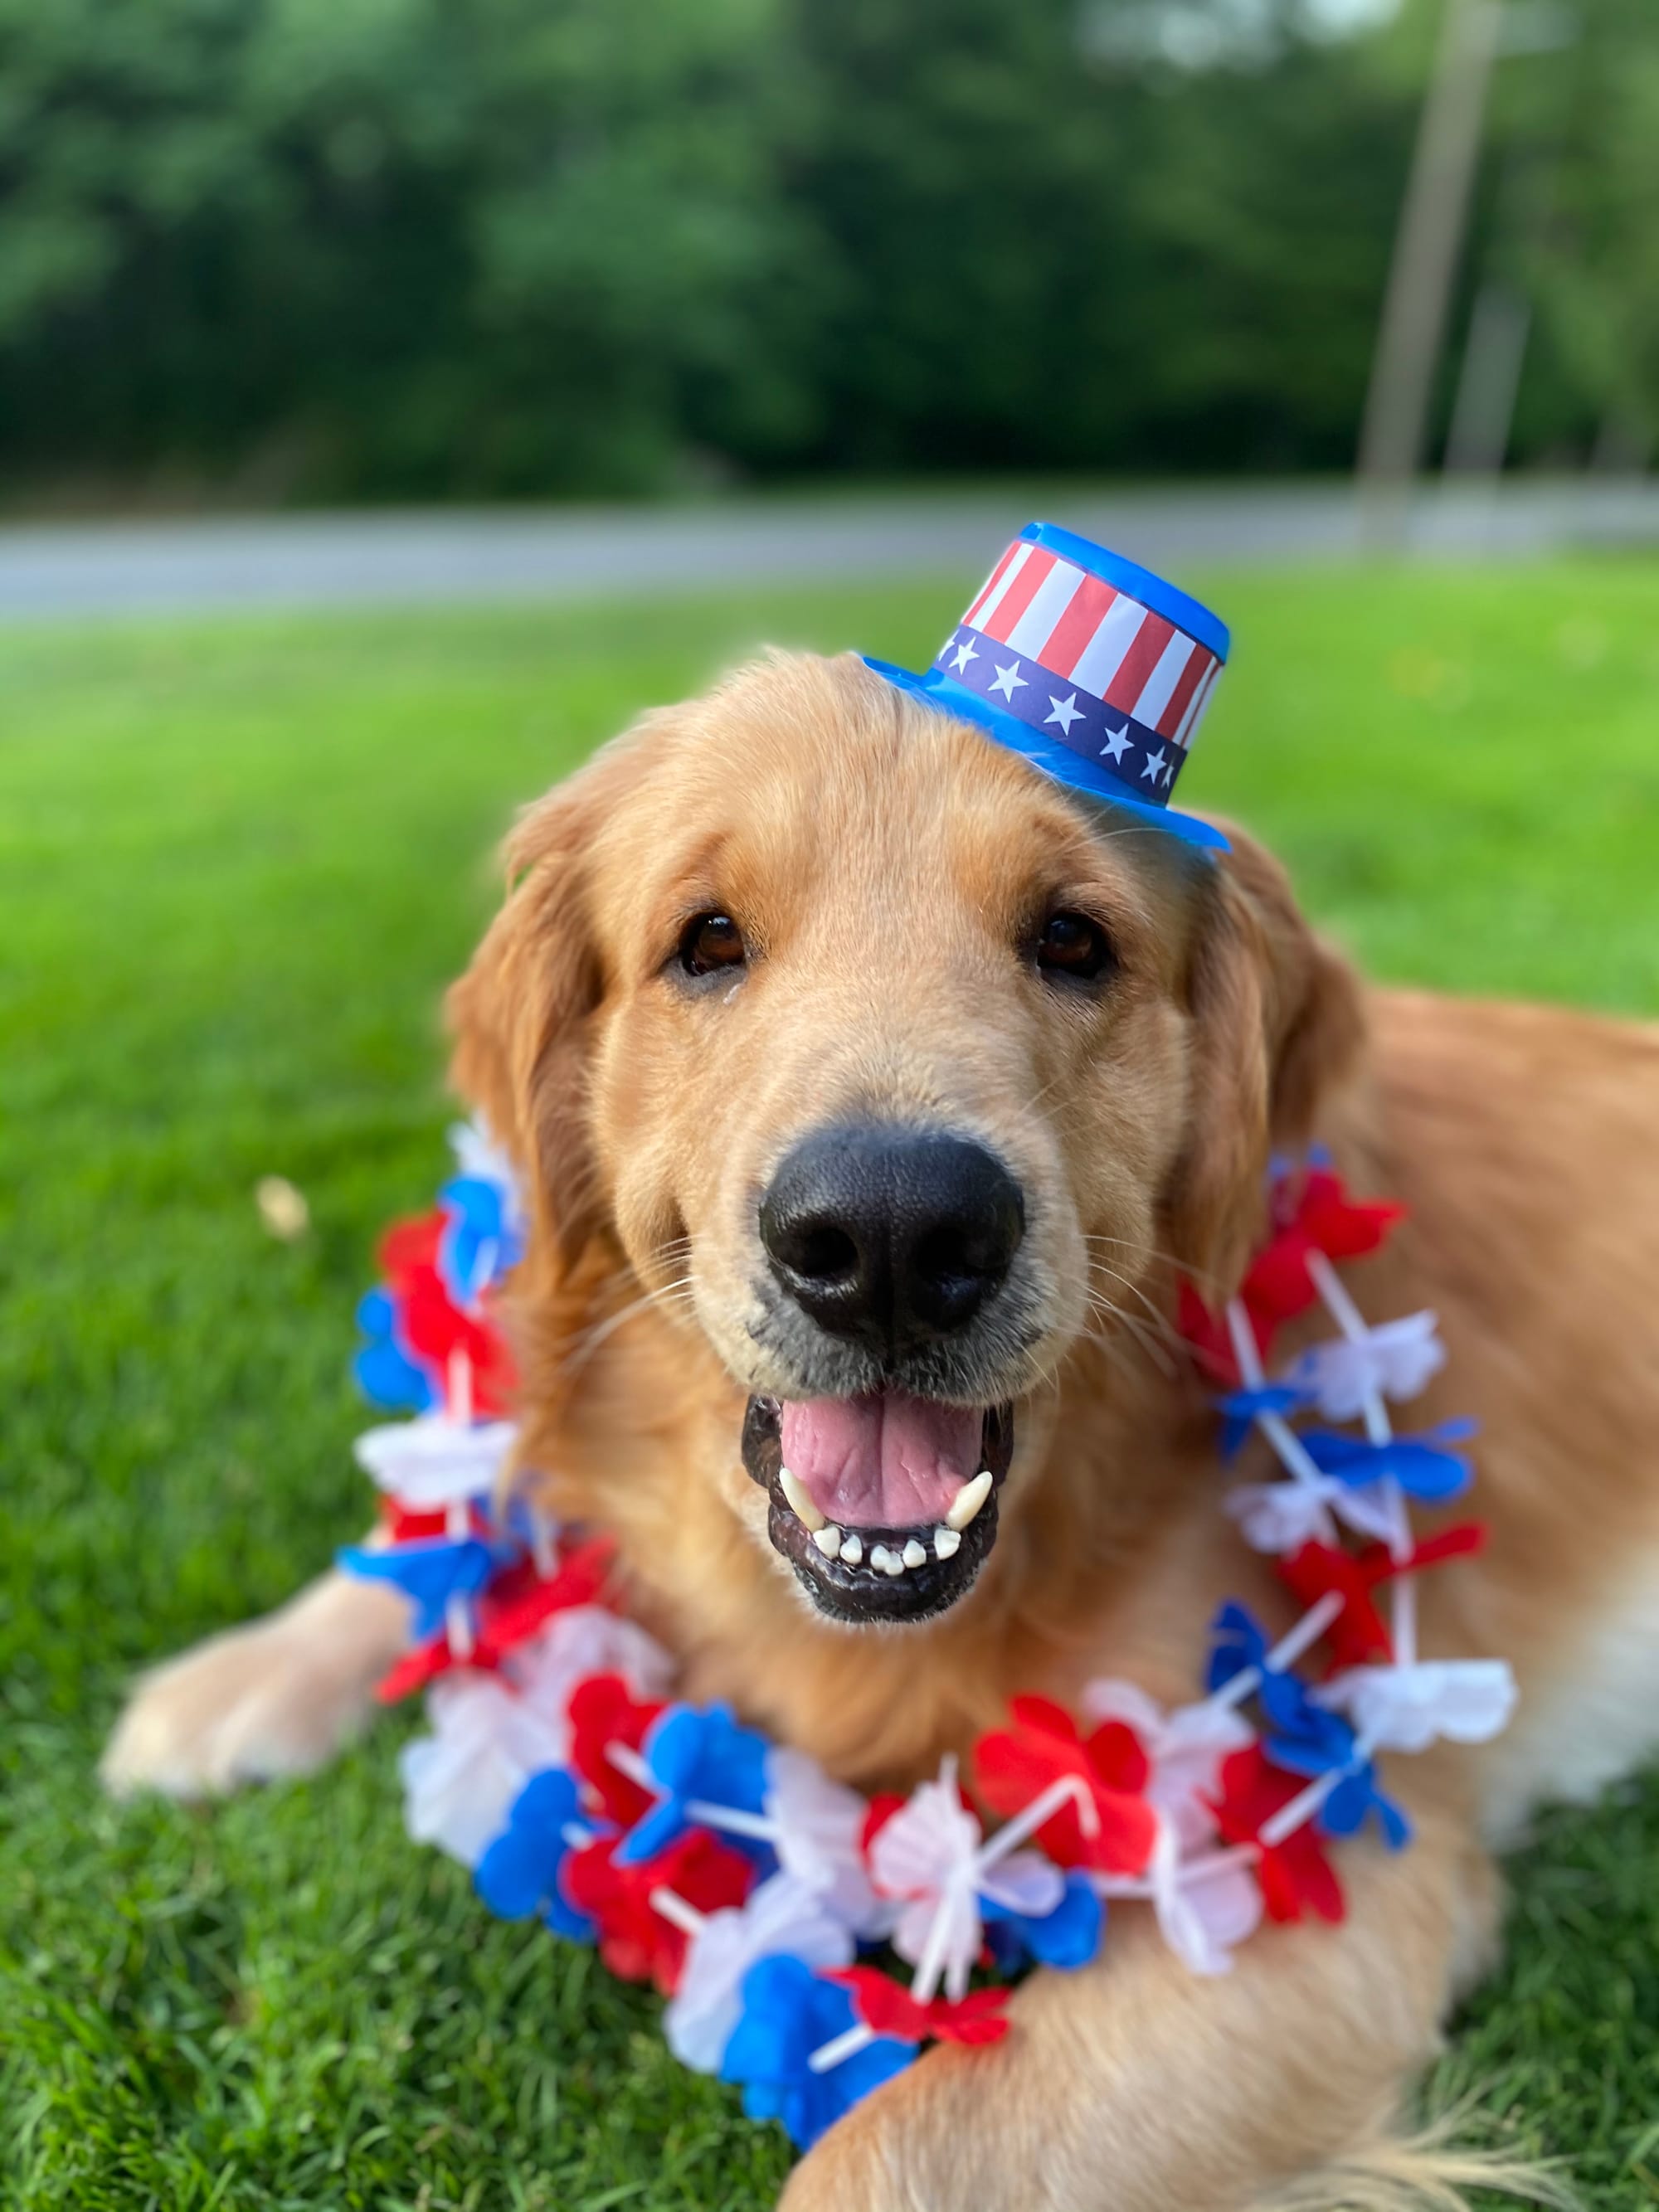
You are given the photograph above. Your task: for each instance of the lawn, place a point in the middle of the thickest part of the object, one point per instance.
(237, 862)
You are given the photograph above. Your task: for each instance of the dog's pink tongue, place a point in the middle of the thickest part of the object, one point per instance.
(880, 1462)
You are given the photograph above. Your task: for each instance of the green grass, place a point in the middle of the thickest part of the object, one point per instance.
(236, 864)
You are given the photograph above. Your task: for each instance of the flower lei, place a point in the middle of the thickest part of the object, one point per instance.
(761, 1896)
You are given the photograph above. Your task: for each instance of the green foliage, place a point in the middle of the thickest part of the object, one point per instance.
(1586, 144)
(236, 866)
(422, 248)
(435, 244)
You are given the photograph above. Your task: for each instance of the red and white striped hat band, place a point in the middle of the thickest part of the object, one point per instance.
(1080, 630)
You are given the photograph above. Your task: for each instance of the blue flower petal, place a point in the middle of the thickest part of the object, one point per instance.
(511, 1876)
(1422, 1466)
(1320, 1743)
(1068, 1937)
(788, 2012)
(429, 1572)
(519, 1875)
(699, 1754)
(1357, 1799)
(1241, 1642)
(1241, 1408)
(386, 1372)
(387, 1377)
(1237, 1641)
(477, 1245)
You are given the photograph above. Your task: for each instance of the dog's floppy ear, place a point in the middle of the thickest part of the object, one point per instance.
(1276, 1023)
(520, 1013)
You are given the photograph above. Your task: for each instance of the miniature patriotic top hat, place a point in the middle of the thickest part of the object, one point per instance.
(1094, 669)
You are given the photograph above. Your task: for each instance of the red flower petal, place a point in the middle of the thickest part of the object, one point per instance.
(1013, 1766)
(1341, 1227)
(1208, 1335)
(635, 1943)
(603, 1712)
(1277, 1286)
(519, 1601)
(887, 2008)
(434, 1328)
(410, 1244)
(402, 1527)
(1357, 1637)
(1461, 1541)
(415, 1670)
(883, 1805)
(1295, 1877)
(1117, 1758)
(1319, 1216)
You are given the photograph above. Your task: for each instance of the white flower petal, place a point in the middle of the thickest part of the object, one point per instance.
(587, 1640)
(926, 1858)
(460, 1782)
(780, 1919)
(1204, 1922)
(1409, 1708)
(1395, 1359)
(1204, 1910)
(1282, 1516)
(929, 1843)
(1106, 1699)
(949, 1926)
(432, 1462)
(820, 1840)
(1370, 1511)
(1025, 1882)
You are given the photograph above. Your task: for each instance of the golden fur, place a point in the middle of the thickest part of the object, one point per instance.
(886, 864)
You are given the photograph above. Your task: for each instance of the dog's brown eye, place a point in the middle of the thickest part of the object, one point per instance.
(1071, 944)
(711, 941)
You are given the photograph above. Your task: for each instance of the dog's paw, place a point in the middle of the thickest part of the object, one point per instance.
(275, 1699)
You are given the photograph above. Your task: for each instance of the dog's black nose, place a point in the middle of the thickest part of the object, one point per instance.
(890, 1235)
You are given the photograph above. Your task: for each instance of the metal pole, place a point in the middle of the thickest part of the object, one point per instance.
(1429, 239)
(1483, 413)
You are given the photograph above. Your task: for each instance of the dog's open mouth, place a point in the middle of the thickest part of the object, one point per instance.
(886, 1506)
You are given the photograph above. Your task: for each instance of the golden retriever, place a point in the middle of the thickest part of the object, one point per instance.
(872, 1094)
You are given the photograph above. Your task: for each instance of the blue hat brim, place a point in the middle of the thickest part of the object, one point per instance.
(937, 691)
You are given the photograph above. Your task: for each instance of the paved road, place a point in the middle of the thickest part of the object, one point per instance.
(416, 557)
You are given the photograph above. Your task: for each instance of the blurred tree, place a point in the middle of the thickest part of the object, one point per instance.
(442, 247)
(435, 245)
(1057, 255)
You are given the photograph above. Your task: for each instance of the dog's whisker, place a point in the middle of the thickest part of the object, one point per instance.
(1156, 1350)
(582, 1347)
(1159, 1320)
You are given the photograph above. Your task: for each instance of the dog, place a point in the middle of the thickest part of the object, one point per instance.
(872, 1096)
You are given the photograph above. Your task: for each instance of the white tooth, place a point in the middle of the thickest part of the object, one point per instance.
(827, 1541)
(913, 1554)
(946, 1543)
(852, 1550)
(889, 1562)
(799, 1503)
(968, 1499)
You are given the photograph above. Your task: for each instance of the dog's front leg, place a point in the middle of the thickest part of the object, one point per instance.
(276, 1697)
(1138, 2086)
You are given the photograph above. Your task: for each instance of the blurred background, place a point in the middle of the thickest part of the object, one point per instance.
(265, 252)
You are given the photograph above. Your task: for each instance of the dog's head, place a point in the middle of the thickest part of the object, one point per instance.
(856, 1046)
